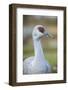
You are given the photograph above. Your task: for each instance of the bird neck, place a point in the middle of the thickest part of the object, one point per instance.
(38, 50)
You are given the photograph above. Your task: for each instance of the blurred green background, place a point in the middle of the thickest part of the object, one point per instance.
(49, 45)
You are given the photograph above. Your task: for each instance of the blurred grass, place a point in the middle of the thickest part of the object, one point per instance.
(52, 59)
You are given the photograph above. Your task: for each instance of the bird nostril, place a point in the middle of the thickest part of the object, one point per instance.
(41, 29)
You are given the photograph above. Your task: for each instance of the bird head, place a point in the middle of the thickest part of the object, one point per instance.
(39, 31)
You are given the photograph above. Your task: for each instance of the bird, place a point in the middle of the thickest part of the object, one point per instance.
(37, 64)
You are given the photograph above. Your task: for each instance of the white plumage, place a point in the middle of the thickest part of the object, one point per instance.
(37, 64)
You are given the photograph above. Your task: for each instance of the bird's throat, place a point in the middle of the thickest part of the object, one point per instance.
(38, 50)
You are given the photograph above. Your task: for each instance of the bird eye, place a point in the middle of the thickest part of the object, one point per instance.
(41, 29)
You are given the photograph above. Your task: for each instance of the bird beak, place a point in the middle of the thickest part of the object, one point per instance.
(47, 34)
(50, 35)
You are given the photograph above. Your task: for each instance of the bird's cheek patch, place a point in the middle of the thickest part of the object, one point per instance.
(41, 29)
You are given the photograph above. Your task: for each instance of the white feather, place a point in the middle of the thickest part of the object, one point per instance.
(37, 64)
